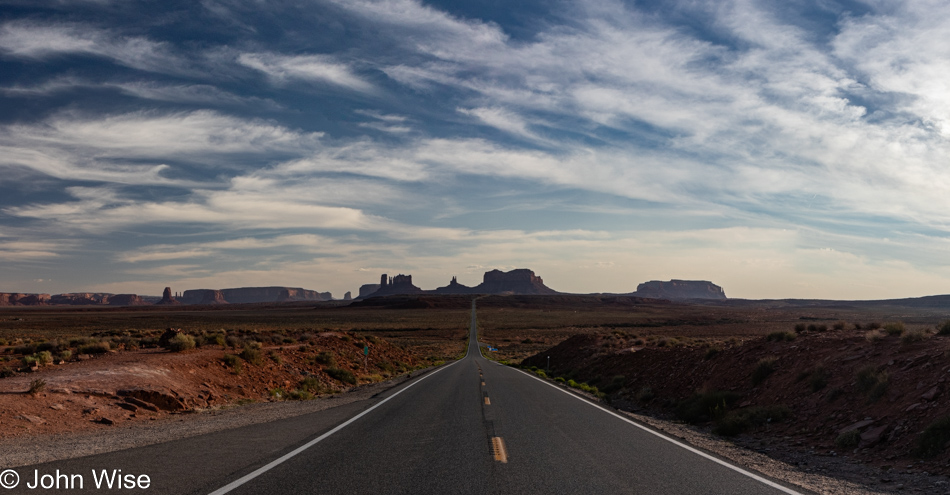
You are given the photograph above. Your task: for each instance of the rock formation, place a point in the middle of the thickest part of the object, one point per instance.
(167, 299)
(519, 281)
(252, 295)
(400, 284)
(367, 289)
(680, 290)
(126, 300)
(16, 299)
(71, 299)
(454, 287)
(347, 296)
(80, 298)
(203, 296)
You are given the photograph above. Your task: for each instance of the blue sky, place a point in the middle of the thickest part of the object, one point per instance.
(779, 149)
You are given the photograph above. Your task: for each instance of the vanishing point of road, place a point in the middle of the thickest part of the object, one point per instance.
(470, 426)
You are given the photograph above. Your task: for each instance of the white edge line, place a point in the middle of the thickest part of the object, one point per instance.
(664, 437)
(271, 465)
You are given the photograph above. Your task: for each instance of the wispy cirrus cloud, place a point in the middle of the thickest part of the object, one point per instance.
(37, 41)
(111, 148)
(324, 69)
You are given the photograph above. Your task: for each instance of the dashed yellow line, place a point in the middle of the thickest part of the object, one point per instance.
(487, 402)
(498, 449)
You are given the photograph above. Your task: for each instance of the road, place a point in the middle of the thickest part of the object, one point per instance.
(471, 426)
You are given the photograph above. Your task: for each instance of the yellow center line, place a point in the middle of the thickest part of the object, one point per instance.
(498, 449)
(487, 402)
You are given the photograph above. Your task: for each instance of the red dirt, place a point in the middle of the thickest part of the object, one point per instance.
(916, 395)
(92, 393)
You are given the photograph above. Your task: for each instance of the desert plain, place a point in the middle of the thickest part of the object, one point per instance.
(857, 391)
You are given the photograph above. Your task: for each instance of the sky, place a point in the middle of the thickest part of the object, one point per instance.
(795, 149)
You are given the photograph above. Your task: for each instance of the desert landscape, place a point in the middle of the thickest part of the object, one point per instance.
(803, 382)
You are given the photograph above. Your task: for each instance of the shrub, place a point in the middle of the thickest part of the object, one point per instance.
(251, 354)
(233, 341)
(181, 342)
(645, 394)
(736, 422)
(834, 393)
(705, 406)
(66, 354)
(51, 346)
(913, 336)
(36, 386)
(616, 383)
(310, 384)
(894, 328)
(839, 325)
(29, 361)
(44, 358)
(325, 358)
(342, 375)
(712, 352)
(799, 327)
(780, 337)
(541, 373)
(299, 395)
(94, 348)
(874, 335)
(233, 362)
(933, 439)
(764, 368)
(817, 378)
(872, 382)
(822, 328)
(874, 325)
(848, 439)
(559, 379)
(857, 326)
(277, 393)
(275, 357)
(6, 372)
(944, 328)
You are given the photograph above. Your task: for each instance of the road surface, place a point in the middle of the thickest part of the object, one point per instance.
(471, 426)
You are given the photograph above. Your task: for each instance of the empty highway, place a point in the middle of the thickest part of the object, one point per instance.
(471, 426)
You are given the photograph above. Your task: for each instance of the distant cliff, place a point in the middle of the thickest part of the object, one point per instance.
(17, 299)
(71, 299)
(454, 287)
(520, 281)
(367, 289)
(251, 295)
(680, 290)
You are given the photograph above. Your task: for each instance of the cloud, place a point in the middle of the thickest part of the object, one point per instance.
(108, 148)
(42, 41)
(323, 69)
(502, 119)
(28, 250)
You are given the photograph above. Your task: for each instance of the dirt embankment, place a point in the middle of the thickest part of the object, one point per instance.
(119, 387)
(879, 398)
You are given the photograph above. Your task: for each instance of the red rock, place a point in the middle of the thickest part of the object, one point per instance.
(930, 394)
(857, 426)
(32, 419)
(873, 435)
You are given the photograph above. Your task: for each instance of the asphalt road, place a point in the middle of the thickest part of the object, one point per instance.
(471, 426)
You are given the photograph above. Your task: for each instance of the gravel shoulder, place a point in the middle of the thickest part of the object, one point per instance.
(28, 450)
